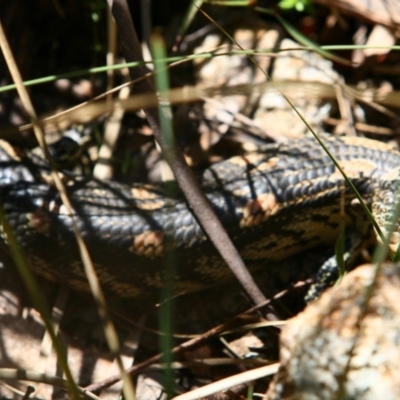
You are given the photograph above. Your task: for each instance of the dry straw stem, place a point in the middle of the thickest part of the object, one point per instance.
(109, 329)
(227, 383)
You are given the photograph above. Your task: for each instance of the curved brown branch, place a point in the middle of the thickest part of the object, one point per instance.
(196, 199)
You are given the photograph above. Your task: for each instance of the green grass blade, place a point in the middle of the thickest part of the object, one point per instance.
(38, 299)
(166, 308)
(300, 38)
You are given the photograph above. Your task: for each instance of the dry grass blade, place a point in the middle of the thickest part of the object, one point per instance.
(109, 329)
(227, 383)
(90, 110)
(39, 300)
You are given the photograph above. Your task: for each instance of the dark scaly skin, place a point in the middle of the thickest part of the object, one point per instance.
(279, 202)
